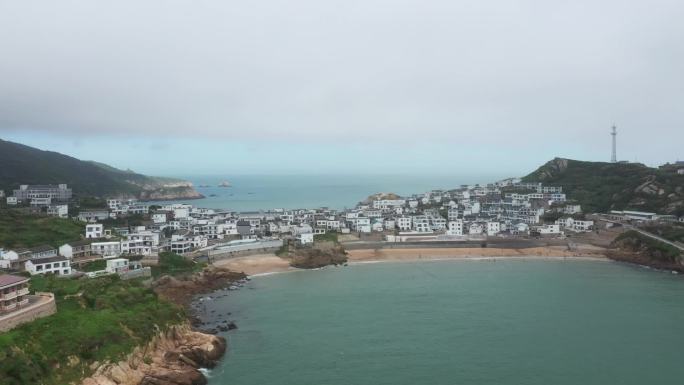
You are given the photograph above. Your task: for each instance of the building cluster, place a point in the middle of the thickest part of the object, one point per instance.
(506, 208)
(53, 197)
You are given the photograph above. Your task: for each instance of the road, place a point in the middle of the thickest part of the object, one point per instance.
(646, 233)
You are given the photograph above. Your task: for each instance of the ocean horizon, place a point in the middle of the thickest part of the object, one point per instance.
(268, 192)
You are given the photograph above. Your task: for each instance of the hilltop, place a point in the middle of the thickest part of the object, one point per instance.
(602, 186)
(20, 164)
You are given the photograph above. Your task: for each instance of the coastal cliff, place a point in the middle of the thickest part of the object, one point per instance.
(172, 357)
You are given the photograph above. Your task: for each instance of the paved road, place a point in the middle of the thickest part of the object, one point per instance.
(646, 233)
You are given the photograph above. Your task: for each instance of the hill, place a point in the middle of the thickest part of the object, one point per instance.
(601, 187)
(20, 164)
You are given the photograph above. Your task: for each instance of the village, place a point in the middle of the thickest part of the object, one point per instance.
(475, 214)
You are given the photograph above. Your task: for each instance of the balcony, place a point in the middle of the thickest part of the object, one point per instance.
(8, 296)
(23, 291)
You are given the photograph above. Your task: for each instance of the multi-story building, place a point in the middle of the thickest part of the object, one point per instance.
(106, 249)
(13, 292)
(95, 230)
(61, 211)
(93, 215)
(403, 223)
(58, 193)
(55, 265)
(77, 249)
(455, 227)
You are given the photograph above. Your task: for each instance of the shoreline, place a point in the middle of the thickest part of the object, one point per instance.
(260, 265)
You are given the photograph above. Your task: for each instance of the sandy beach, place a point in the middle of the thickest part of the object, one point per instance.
(270, 263)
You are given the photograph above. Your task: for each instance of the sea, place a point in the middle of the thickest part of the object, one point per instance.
(455, 322)
(266, 192)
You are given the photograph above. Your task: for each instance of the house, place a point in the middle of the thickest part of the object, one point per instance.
(95, 230)
(403, 223)
(77, 249)
(93, 215)
(117, 265)
(160, 217)
(56, 265)
(12, 201)
(106, 249)
(244, 228)
(475, 228)
(305, 238)
(493, 228)
(455, 227)
(60, 211)
(572, 224)
(548, 229)
(44, 251)
(13, 293)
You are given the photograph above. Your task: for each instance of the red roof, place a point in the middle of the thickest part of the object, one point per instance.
(8, 280)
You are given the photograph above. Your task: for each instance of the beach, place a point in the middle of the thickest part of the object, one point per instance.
(261, 264)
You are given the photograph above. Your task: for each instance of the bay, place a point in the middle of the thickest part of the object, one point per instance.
(456, 322)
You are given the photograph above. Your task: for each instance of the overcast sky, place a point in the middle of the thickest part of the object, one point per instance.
(391, 86)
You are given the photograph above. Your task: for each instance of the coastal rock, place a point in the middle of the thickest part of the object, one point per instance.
(173, 357)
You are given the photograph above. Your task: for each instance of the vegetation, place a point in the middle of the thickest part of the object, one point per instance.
(19, 229)
(174, 264)
(672, 232)
(636, 242)
(26, 165)
(97, 320)
(98, 265)
(601, 187)
(327, 237)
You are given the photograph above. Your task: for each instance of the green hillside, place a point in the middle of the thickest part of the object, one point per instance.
(600, 186)
(20, 164)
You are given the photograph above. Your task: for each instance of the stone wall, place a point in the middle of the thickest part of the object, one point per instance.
(45, 306)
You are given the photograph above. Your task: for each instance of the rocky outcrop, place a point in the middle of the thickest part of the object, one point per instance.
(181, 290)
(322, 254)
(173, 357)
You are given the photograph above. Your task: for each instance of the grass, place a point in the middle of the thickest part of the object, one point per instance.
(97, 320)
(19, 229)
(327, 237)
(174, 264)
(94, 266)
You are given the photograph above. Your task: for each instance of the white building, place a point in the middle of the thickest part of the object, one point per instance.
(549, 229)
(493, 228)
(106, 249)
(55, 265)
(455, 227)
(60, 211)
(95, 230)
(117, 265)
(403, 223)
(12, 201)
(305, 238)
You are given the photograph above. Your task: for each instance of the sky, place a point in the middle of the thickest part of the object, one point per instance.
(173, 87)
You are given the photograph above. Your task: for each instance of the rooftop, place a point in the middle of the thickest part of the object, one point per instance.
(8, 280)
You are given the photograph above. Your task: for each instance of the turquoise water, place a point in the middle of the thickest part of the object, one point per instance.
(261, 192)
(464, 322)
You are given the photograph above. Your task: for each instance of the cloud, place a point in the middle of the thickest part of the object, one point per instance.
(497, 72)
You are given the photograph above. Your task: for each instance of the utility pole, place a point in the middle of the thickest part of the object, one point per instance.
(613, 158)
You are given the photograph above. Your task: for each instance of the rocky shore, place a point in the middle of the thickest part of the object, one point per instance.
(173, 357)
(176, 355)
